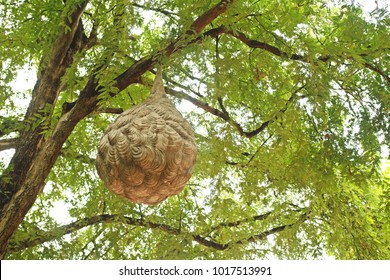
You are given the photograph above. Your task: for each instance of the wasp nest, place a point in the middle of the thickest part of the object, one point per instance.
(147, 154)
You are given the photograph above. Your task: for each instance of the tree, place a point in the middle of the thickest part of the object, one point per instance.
(290, 105)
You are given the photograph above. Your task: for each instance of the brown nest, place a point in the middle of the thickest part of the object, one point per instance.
(148, 153)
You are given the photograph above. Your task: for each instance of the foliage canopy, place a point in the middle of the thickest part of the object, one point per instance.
(289, 100)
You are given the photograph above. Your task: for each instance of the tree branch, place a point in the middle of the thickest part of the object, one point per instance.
(377, 70)
(201, 22)
(116, 111)
(203, 105)
(6, 144)
(159, 10)
(254, 43)
(276, 51)
(133, 74)
(239, 222)
(60, 231)
(224, 114)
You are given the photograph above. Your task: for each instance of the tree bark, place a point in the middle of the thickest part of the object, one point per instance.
(24, 178)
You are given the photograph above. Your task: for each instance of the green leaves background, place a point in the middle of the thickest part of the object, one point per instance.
(290, 167)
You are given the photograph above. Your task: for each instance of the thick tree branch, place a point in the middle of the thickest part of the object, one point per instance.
(56, 233)
(201, 22)
(133, 74)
